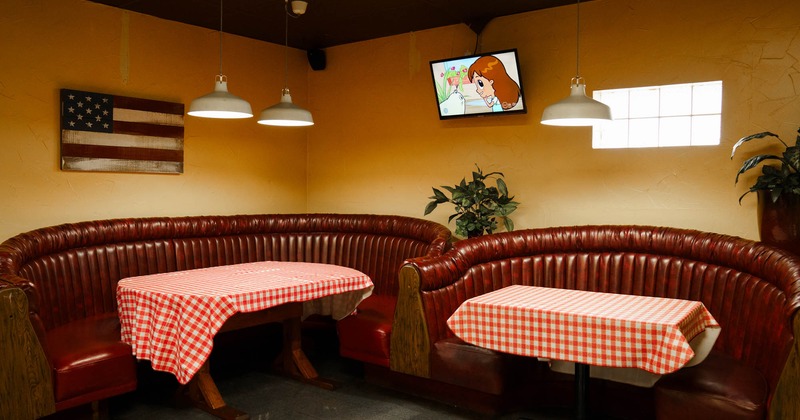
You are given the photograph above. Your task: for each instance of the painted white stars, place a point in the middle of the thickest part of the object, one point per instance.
(87, 111)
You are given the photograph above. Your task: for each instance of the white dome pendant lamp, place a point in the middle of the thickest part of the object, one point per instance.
(577, 109)
(220, 103)
(285, 113)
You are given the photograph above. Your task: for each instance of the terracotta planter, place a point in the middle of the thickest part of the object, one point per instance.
(779, 222)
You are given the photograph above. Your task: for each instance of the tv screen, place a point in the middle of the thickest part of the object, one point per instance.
(477, 85)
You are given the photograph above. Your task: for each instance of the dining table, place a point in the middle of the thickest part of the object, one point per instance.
(615, 332)
(171, 318)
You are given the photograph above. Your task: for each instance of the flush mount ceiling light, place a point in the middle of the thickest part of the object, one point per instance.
(220, 103)
(285, 113)
(577, 109)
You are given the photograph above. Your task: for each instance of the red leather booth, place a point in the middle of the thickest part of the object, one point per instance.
(69, 275)
(751, 289)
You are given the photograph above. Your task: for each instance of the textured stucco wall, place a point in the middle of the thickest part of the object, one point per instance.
(383, 146)
(378, 146)
(230, 166)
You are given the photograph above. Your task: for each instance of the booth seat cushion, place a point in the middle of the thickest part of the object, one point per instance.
(456, 362)
(87, 355)
(366, 335)
(718, 388)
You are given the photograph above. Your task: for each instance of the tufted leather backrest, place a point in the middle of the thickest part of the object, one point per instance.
(71, 271)
(752, 290)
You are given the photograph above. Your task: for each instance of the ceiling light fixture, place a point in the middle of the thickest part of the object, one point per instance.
(577, 109)
(285, 113)
(220, 103)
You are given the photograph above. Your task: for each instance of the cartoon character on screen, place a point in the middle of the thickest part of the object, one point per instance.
(493, 84)
(454, 104)
(449, 91)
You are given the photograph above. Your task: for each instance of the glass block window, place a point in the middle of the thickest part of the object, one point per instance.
(660, 116)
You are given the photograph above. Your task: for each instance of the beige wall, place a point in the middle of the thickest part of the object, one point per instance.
(230, 166)
(382, 147)
(378, 145)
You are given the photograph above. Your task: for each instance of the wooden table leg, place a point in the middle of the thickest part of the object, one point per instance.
(292, 361)
(203, 393)
(295, 362)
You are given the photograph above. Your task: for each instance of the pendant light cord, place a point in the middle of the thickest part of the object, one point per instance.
(578, 42)
(220, 37)
(286, 47)
(289, 13)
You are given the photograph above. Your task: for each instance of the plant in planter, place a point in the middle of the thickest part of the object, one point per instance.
(477, 206)
(778, 189)
(777, 180)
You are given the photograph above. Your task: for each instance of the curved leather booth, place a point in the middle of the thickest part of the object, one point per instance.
(752, 290)
(69, 275)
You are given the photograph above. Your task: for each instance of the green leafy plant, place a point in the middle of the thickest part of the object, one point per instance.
(477, 206)
(778, 180)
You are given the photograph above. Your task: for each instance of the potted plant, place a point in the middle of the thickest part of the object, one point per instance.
(477, 206)
(778, 189)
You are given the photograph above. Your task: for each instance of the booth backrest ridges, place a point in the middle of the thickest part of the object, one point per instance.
(745, 287)
(751, 289)
(69, 272)
(74, 268)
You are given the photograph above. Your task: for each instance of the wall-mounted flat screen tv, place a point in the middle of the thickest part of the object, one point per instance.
(478, 85)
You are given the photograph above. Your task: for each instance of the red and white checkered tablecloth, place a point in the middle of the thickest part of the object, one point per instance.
(171, 318)
(600, 329)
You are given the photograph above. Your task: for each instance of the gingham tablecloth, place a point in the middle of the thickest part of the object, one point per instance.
(171, 318)
(600, 329)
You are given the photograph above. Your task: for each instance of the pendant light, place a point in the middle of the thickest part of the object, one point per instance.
(577, 109)
(285, 113)
(220, 103)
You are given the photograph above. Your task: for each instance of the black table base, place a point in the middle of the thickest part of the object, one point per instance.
(581, 390)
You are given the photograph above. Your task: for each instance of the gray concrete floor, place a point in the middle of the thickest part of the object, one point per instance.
(244, 376)
(268, 396)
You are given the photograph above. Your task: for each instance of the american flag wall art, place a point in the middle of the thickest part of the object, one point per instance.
(109, 133)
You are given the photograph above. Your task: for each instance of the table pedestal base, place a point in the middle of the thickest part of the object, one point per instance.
(581, 390)
(203, 392)
(294, 360)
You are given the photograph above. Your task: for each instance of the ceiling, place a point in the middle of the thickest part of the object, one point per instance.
(331, 22)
